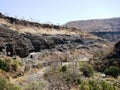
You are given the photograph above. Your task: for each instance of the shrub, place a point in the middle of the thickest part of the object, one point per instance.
(63, 68)
(4, 65)
(96, 85)
(63, 76)
(107, 86)
(87, 70)
(35, 86)
(84, 85)
(71, 76)
(112, 71)
(9, 64)
(4, 85)
(39, 66)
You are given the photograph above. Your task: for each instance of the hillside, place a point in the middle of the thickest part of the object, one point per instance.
(33, 36)
(23, 26)
(36, 56)
(112, 58)
(105, 28)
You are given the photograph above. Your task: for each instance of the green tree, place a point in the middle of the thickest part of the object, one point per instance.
(112, 71)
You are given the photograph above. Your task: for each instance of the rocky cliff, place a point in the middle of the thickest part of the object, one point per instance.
(105, 28)
(14, 43)
(24, 43)
(62, 42)
(22, 37)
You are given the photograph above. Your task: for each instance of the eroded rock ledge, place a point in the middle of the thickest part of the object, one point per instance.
(21, 44)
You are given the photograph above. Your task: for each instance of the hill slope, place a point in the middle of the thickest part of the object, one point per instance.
(45, 36)
(105, 28)
(23, 26)
(110, 59)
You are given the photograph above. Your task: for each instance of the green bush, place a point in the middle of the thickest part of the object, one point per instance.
(70, 75)
(96, 85)
(4, 85)
(87, 70)
(84, 86)
(9, 64)
(4, 65)
(63, 68)
(66, 74)
(112, 71)
(107, 86)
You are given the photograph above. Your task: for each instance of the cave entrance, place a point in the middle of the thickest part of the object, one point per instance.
(1, 49)
(9, 50)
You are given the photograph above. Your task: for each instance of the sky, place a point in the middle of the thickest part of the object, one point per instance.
(60, 11)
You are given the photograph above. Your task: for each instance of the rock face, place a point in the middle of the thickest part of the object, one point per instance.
(53, 41)
(12, 43)
(112, 36)
(62, 42)
(105, 28)
(21, 37)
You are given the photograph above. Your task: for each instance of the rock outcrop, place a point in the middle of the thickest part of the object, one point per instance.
(21, 37)
(52, 41)
(62, 42)
(11, 43)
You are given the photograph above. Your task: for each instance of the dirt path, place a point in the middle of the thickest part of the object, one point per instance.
(31, 77)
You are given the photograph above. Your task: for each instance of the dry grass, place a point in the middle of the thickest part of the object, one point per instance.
(39, 30)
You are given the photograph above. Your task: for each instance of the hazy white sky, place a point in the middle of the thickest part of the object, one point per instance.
(61, 11)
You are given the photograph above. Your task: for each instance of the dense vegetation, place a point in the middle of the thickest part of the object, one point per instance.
(81, 77)
(112, 71)
(96, 85)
